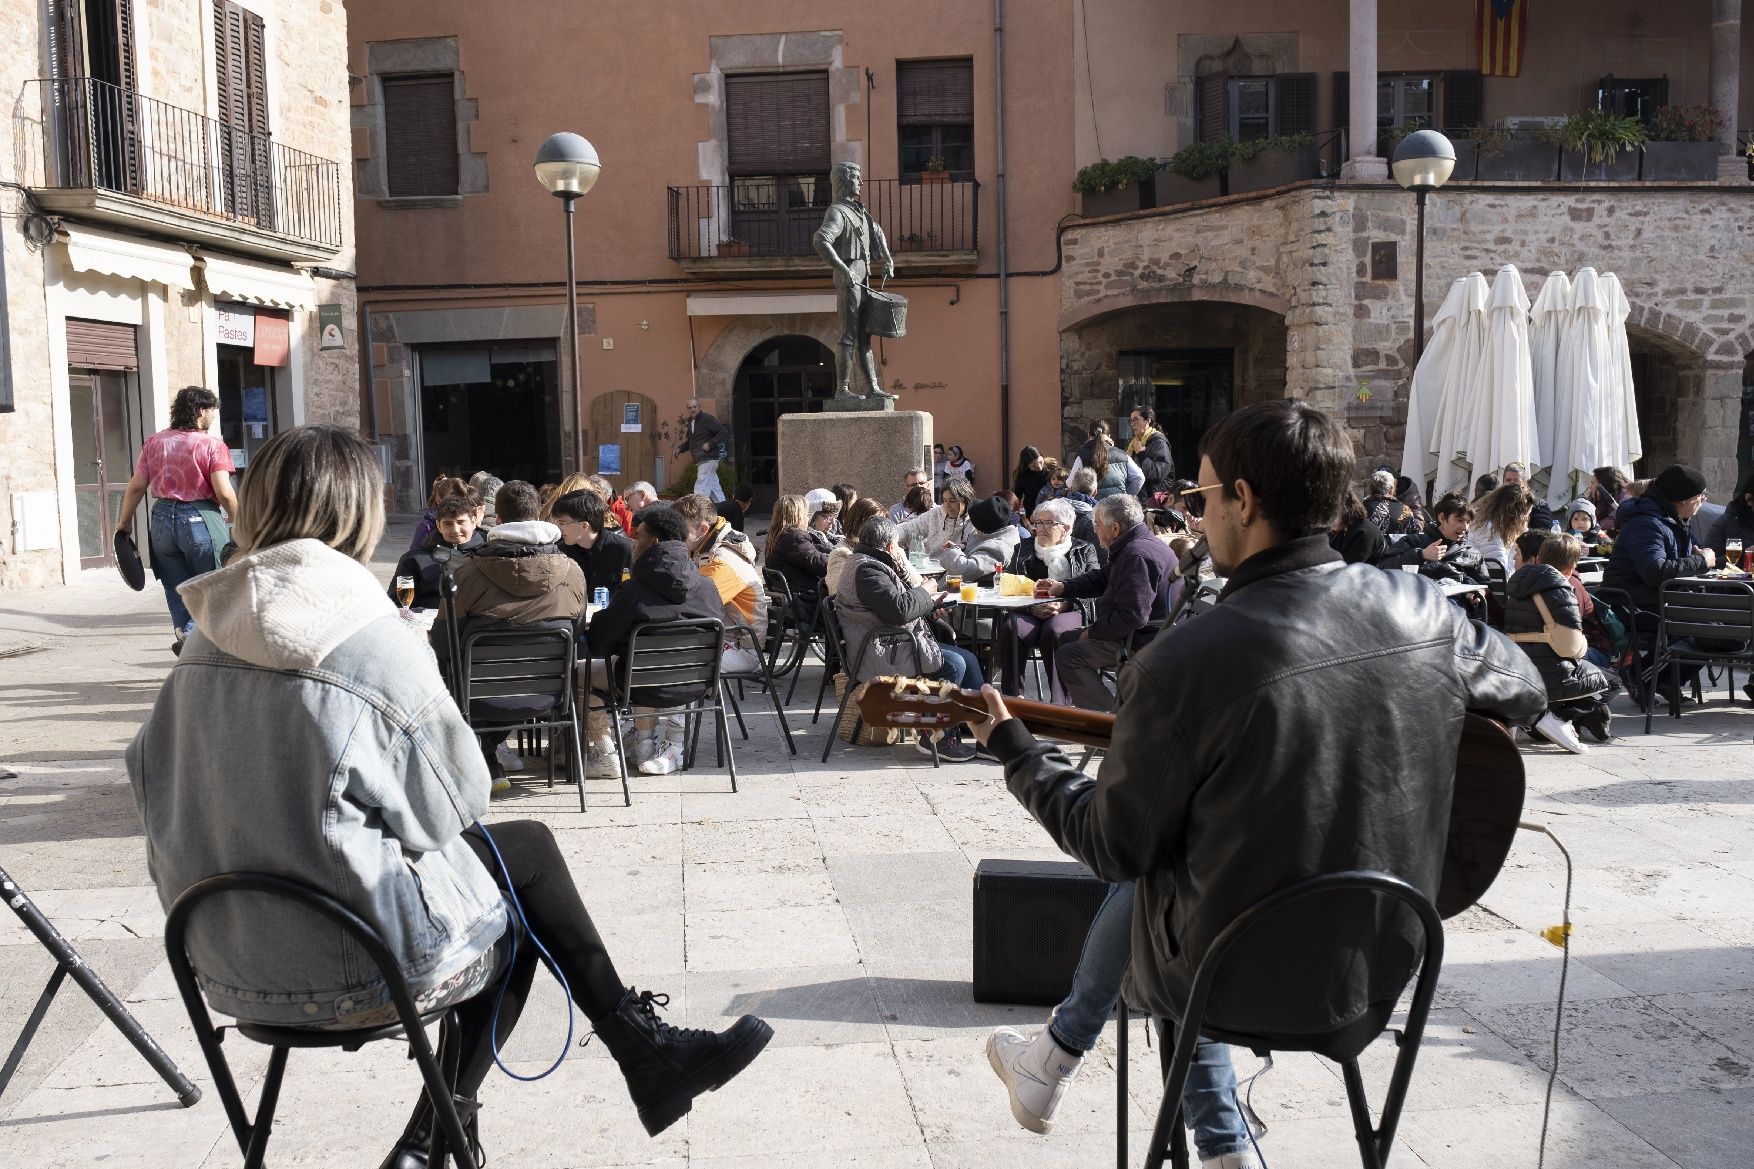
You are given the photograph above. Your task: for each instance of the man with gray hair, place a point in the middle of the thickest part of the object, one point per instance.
(898, 510)
(641, 494)
(1132, 598)
(707, 441)
(852, 244)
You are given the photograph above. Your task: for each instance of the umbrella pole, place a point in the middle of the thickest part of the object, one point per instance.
(1419, 281)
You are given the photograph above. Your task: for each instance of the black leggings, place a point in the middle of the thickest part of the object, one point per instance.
(545, 888)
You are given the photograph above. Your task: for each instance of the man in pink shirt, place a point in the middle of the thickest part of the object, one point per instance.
(188, 470)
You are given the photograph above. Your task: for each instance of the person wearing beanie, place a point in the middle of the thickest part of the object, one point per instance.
(1653, 544)
(1580, 521)
(988, 546)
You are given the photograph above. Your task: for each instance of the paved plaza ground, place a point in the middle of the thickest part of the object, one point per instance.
(834, 901)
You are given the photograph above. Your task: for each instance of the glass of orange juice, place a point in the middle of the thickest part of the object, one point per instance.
(969, 591)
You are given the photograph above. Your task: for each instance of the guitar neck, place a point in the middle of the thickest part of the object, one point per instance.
(1087, 727)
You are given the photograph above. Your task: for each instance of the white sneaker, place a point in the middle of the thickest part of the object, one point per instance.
(665, 760)
(601, 760)
(508, 758)
(1036, 1070)
(643, 747)
(1246, 1160)
(1560, 733)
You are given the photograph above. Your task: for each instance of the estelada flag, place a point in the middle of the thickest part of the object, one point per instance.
(1504, 27)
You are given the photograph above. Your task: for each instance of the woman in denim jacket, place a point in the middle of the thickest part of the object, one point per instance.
(306, 732)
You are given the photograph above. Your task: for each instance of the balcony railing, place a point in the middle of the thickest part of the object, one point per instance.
(101, 138)
(774, 218)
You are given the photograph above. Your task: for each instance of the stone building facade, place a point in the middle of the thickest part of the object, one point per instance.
(174, 216)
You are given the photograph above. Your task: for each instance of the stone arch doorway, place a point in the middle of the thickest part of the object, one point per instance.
(1667, 377)
(790, 374)
(1193, 361)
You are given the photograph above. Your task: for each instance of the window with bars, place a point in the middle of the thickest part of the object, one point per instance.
(420, 135)
(935, 116)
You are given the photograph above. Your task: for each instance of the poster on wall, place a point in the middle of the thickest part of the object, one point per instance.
(329, 335)
(609, 458)
(256, 410)
(630, 419)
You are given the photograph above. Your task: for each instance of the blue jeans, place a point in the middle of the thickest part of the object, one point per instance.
(960, 668)
(1599, 659)
(181, 548)
(1209, 1100)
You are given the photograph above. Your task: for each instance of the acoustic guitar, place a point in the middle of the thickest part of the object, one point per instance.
(1484, 810)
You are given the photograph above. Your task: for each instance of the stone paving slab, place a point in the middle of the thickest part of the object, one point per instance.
(834, 900)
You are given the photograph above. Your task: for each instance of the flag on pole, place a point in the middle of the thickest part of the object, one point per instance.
(1504, 26)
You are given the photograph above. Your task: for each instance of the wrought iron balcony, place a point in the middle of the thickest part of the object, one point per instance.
(767, 222)
(112, 154)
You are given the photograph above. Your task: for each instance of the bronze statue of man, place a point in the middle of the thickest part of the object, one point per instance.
(853, 245)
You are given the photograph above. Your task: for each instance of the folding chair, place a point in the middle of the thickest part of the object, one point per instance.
(761, 673)
(789, 606)
(1497, 582)
(1169, 1138)
(877, 635)
(672, 654)
(536, 664)
(1695, 611)
(449, 1135)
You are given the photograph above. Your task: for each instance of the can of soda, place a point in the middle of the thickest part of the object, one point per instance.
(600, 597)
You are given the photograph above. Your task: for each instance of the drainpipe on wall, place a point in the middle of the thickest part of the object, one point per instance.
(1004, 268)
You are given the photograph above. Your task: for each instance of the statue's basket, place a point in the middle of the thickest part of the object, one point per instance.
(885, 314)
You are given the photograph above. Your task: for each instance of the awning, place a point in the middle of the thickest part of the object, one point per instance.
(126, 257)
(263, 284)
(738, 304)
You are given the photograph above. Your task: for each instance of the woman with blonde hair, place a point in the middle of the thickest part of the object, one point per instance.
(1501, 515)
(372, 794)
(797, 552)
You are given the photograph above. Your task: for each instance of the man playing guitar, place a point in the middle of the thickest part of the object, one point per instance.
(1307, 724)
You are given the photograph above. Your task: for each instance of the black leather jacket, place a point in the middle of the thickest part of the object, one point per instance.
(1240, 764)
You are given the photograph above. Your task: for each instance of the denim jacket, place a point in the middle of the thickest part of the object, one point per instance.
(305, 732)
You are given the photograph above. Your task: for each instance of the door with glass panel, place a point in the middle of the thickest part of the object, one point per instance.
(100, 402)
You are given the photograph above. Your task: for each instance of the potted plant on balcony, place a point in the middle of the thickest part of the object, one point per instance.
(936, 171)
(1196, 171)
(731, 247)
(1507, 156)
(1274, 162)
(913, 241)
(1113, 188)
(1683, 144)
(1601, 147)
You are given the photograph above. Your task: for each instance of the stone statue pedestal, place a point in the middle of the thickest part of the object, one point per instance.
(871, 449)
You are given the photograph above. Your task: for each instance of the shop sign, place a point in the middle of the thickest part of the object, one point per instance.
(237, 325)
(273, 339)
(329, 335)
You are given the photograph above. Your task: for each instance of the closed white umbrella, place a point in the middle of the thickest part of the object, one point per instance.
(1464, 387)
(1505, 428)
(1582, 388)
(1546, 322)
(1425, 395)
(1625, 445)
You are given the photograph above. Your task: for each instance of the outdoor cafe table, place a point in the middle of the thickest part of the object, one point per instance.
(988, 599)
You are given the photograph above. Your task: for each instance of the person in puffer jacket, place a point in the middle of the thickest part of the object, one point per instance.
(1577, 690)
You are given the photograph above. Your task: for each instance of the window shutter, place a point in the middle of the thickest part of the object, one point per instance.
(229, 55)
(255, 74)
(66, 40)
(777, 123)
(1659, 92)
(101, 345)
(1343, 105)
(420, 135)
(125, 76)
(1464, 98)
(1297, 101)
(933, 93)
(1212, 107)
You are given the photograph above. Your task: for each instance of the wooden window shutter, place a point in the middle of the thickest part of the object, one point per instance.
(1343, 106)
(66, 40)
(420, 135)
(777, 123)
(1464, 98)
(101, 345)
(1212, 107)
(934, 93)
(229, 57)
(255, 75)
(1297, 102)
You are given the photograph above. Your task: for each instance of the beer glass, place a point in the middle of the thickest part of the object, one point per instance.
(1732, 552)
(405, 591)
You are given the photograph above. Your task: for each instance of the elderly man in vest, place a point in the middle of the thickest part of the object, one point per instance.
(852, 244)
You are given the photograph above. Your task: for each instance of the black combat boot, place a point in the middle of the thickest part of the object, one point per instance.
(667, 1067)
(415, 1142)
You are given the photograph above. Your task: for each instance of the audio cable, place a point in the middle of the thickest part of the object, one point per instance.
(1559, 935)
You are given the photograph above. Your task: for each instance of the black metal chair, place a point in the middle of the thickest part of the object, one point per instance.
(1692, 612)
(450, 1138)
(876, 636)
(1497, 582)
(761, 674)
(534, 664)
(792, 633)
(673, 654)
(1169, 1138)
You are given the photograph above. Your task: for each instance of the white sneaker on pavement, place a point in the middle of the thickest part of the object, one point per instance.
(601, 760)
(665, 760)
(1036, 1070)
(1559, 732)
(508, 758)
(1246, 1160)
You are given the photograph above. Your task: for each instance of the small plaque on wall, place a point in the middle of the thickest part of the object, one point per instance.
(1385, 260)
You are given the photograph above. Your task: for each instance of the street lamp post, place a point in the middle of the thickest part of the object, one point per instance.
(566, 165)
(1422, 163)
